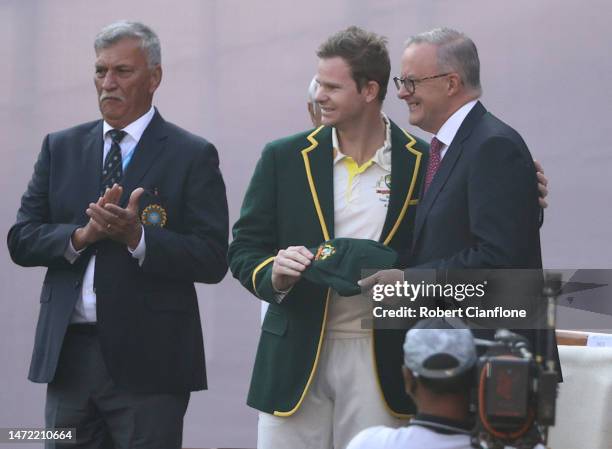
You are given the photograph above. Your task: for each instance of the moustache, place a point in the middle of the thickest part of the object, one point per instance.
(109, 97)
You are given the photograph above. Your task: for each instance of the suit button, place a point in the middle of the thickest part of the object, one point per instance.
(77, 284)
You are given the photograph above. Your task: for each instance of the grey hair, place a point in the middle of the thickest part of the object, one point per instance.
(113, 33)
(312, 90)
(456, 52)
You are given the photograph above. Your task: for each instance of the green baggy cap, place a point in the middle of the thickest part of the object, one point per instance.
(338, 263)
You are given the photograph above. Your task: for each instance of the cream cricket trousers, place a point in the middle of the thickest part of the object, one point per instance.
(344, 398)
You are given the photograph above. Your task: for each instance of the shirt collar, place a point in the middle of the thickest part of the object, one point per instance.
(382, 157)
(446, 425)
(134, 129)
(447, 132)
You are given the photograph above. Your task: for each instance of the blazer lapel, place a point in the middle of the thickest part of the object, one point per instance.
(151, 143)
(405, 164)
(92, 163)
(319, 167)
(453, 153)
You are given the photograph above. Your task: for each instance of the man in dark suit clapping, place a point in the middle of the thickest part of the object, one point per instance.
(126, 213)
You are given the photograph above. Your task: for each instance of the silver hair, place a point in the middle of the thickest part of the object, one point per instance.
(456, 52)
(113, 33)
(312, 90)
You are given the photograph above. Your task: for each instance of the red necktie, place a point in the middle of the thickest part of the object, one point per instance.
(434, 162)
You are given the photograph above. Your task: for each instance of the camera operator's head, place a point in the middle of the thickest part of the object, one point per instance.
(438, 368)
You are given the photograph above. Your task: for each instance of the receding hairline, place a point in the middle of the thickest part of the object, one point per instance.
(454, 51)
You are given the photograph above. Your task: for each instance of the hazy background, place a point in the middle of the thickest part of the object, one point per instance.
(236, 72)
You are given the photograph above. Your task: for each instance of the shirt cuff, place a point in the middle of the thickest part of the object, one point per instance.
(280, 295)
(71, 254)
(141, 249)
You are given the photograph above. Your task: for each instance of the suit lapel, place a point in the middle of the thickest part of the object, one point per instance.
(405, 165)
(453, 153)
(92, 163)
(151, 143)
(319, 167)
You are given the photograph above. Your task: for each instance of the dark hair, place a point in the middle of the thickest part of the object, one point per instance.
(365, 53)
(452, 385)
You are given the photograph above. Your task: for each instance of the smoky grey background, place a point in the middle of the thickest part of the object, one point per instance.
(237, 72)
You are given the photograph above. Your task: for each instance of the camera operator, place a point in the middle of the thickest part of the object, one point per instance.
(438, 373)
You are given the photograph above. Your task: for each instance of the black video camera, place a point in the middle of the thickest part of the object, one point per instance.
(515, 392)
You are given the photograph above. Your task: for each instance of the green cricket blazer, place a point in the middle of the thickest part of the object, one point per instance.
(289, 202)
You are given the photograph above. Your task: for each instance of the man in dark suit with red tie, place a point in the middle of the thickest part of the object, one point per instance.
(126, 213)
(479, 208)
(480, 176)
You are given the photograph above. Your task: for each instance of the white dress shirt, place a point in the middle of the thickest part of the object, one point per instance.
(85, 308)
(448, 131)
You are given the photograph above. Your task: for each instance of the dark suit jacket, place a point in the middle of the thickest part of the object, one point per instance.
(481, 210)
(289, 202)
(148, 318)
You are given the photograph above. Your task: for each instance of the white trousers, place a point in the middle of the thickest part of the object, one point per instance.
(343, 399)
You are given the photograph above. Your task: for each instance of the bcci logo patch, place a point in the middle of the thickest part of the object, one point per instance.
(383, 189)
(154, 215)
(325, 251)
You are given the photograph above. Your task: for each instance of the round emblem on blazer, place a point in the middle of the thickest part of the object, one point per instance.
(325, 251)
(154, 215)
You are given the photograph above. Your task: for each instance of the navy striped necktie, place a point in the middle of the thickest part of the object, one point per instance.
(112, 171)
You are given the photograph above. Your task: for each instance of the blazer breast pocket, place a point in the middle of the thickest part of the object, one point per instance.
(275, 323)
(153, 209)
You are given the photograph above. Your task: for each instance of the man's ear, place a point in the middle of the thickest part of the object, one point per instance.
(371, 90)
(409, 381)
(156, 77)
(454, 84)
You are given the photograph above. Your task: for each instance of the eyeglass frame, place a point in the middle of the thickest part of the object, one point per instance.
(413, 82)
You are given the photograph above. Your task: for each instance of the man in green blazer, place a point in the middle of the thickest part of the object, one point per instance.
(319, 378)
